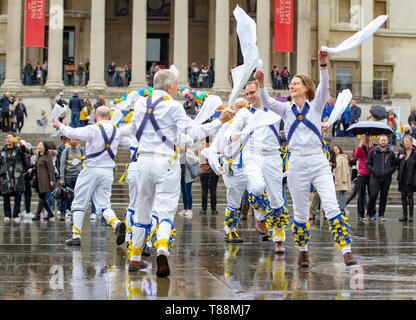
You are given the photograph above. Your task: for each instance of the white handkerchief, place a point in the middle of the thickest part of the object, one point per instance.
(343, 100)
(58, 111)
(211, 104)
(358, 38)
(175, 70)
(260, 119)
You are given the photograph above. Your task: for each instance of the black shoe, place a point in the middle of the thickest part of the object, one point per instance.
(403, 218)
(203, 211)
(162, 266)
(36, 218)
(49, 217)
(146, 251)
(120, 233)
(73, 242)
(214, 212)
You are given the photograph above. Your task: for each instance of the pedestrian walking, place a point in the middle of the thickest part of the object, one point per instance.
(76, 105)
(189, 172)
(5, 102)
(20, 112)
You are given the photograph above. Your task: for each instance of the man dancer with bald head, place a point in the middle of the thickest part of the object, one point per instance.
(95, 180)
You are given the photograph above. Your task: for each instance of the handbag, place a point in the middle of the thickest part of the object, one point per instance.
(34, 183)
(193, 170)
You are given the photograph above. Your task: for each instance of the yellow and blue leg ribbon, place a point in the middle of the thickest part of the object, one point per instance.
(277, 221)
(232, 217)
(340, 231)
(260, 203)
(167, 243)
(301, 233)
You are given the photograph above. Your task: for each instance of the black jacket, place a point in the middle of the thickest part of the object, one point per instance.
(20, 110)
(406, 169)
(13, 165)
(75, 104)
(381, 163)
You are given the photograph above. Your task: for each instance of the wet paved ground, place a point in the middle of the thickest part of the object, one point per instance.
(35, 264)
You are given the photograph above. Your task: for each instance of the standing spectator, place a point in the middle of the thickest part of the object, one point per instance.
(345, 120)
(211, 76)
(406, 166)
(205, 76)
(127, 74)
(45, 174)
(361, 153)
(355, 112)
(27, 194)
(353, 163)
(70, 167)
(100, 102)
(111, 71)
(43, 121)
(20, 112)
(80, 71)
(413, 129)
(275, 78)
(44, 72)
(407, 130)
(12, 118)
(381, 163)
(5, 103)
(194, 75)
(412, 117)
(38, 74)
(60, 149)
(28, 70)
(13, 165)
(342, 177)
(85, 113)
(285, 78)
(70, 73)
(87, 70)
(75, 104)
(190, 105)
(209, 180)
(53, 151)
(188, 160)
(392, 138)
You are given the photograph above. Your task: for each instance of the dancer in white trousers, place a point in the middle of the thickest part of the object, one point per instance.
(262, 167)
(307, 163)
(156, 125)
(95, 180)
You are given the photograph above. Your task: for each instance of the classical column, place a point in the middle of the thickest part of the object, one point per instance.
(180, 41)
(139, 35)
(211, 31)
(367, 63)
(303, 59)
(323, 23)
(55, 45)
(14, 39)
(263, 37)
(97, 46)
(222, 44)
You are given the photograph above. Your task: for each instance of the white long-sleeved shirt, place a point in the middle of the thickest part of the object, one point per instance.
(303, 137)
(262, 139)
(171, 119)
(95, 142)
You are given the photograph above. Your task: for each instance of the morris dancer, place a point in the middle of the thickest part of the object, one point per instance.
(102, 140)
(156, 125)
(308, 164)
(261, 163)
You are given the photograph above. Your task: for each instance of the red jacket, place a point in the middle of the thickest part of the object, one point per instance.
(361, 154)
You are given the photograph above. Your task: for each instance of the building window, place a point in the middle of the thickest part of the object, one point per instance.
(381, 83)
(344, 14)
(380, 8)
(344, 78)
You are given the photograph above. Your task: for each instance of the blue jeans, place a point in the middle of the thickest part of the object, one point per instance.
(66, 204)
(111, 80)
(80, 80)
(28, 79)
(75, 115)
(186, 189)
(284, 194)
(342, 199)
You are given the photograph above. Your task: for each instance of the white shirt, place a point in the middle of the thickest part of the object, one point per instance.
(95, 142)
(262, 139)
(303, 137)
(171, 119)
(125, 132)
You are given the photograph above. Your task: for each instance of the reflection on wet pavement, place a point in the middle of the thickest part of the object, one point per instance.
(35, 264)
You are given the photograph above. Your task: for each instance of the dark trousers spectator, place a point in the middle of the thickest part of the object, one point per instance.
(363, 187)
(345, 126)
(209, 183)
(186, 189)
(43, 203)
(28, 79)
(8, 207)
(378, 185)
(70, 80)
(65, 203)
(27, 195)
(5, 121)
(19, 123)
(276, 83)
(111, 78)
(355, 193)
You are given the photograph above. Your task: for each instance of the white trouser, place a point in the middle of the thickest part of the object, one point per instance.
(132, 181)
(236, 185)
(159, 190)
(304, 171)
(96, 183)
(264, 174)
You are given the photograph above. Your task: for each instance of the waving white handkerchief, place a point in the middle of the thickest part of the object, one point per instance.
(132, 97)
(211, 104)
(58, 111)
(247, 34)
(343, 100)
(358, 38)
(175, 70)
